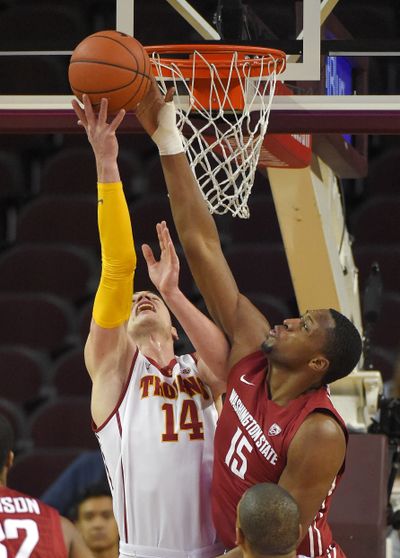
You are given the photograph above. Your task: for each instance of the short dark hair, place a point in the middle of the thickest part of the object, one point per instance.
(97, 490)
(343, 347)
(269, 519)
(6, 440)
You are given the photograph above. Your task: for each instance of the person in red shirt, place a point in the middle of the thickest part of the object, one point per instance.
(278, 423)
(268, 530)
(28, 527)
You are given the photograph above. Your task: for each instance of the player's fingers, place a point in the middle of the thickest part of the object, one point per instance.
(160, 236)
(117, 120)
(102, 118)
(170, 94)
(148, 255)
(88, 108)
(78, 111)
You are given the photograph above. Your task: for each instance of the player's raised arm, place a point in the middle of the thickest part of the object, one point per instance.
(106, 347)
(196, 227)
(210, 343)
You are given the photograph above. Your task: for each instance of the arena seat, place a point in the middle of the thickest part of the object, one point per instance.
(154, 181)
(73, 171)
(376, 221)
(146, 212)
(33, 472)
(69, 375)
(63, 423)
(358, 513)
(40, 321)
(18, 421)
(63, 270)
(261, 268)
(24, 374)
(58, 220)
(12, 185)
(84, 319)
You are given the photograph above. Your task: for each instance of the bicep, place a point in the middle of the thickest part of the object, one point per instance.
(104, 348)
(315, 457)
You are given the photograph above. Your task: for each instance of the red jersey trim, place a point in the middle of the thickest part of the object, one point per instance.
(123, 481)
(163, 369)
(97, 429)
(251, 356)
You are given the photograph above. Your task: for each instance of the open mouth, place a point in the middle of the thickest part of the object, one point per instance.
(143, 306)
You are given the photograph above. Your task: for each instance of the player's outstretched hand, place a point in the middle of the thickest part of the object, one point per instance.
(149, 108)
(164, 273)
(100, 133)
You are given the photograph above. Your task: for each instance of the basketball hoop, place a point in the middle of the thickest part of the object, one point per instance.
(217, 88)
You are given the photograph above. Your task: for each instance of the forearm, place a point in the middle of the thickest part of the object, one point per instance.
(208, 340)
(114, 296)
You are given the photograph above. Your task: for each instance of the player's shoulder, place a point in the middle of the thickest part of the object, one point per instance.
(320, 427)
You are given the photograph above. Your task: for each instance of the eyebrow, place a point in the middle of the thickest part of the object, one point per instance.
(307, 315)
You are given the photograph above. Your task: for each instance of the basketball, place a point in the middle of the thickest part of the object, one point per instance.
(113, 65)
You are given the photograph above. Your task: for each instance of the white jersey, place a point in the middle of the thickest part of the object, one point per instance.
(157, 448)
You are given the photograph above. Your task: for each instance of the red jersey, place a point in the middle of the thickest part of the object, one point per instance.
(251, 444)
(29, 528)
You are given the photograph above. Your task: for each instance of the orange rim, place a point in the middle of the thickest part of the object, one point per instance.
(221, 56)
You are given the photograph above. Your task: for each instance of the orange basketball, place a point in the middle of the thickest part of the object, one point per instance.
(113, 65)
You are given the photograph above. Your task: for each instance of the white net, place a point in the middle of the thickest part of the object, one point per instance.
(222, 142)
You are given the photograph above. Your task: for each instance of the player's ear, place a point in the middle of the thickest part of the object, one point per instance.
(319, 364)
(10, 460)
(300, 534)
(239, 536)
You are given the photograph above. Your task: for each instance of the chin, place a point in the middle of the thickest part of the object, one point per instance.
(267, 346)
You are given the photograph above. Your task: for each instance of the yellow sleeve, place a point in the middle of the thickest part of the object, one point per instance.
(113, 301)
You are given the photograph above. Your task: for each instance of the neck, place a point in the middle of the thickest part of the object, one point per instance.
(156, 346)
(285, 385)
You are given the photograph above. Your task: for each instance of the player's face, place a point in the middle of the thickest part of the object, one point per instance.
(147, 306)
(298, 340)
(96, 523)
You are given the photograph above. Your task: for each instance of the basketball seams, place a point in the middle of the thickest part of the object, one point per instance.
(98, 92)
(101, 63)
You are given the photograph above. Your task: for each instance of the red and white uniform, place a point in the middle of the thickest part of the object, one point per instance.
(158, 451)
(251, 445)
(28, 527)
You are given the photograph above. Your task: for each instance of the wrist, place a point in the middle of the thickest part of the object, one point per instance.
(171, 295)
(107, 171)
(167, 137)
